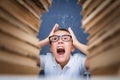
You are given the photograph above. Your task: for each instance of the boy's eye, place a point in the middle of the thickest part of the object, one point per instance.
(55, 38)
(65, 38)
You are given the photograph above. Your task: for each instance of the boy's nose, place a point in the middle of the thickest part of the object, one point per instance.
(60, 41)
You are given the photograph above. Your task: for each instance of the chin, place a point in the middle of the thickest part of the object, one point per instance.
(61, 60)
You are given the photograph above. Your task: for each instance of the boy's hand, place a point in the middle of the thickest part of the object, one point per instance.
(77, 44)
(54, 29)
(75, 41)
(46, 40)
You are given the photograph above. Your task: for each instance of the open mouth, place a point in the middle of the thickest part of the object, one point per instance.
(60, 50)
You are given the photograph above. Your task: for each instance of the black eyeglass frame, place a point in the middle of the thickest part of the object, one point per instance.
(59, 38)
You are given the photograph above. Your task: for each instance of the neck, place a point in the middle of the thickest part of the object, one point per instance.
(62, 64)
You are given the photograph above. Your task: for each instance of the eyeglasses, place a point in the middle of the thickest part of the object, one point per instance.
(65, 38)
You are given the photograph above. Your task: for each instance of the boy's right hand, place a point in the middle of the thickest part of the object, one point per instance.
(44, 42)
(54, 29)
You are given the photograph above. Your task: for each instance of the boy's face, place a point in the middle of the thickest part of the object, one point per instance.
(62, 49)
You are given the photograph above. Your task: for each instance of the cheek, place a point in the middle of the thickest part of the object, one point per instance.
(53, 47)
(69, 47)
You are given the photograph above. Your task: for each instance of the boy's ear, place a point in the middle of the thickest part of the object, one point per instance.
(73, 49)
(50, 49)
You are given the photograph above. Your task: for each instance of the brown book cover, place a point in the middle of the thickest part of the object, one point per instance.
(108, 30)
(22, 14)
(105, 35)
(88, 22)
(11, 19)
(18, 46)
(14, 64)
(114, 16)
(108, 44)
(18, 33)
(93, 5)
(105, 59)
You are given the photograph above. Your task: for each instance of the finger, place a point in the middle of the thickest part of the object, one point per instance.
(55, 27)
(70, 30)
(72, 33)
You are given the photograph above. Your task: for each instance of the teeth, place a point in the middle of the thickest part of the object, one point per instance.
(60, 47)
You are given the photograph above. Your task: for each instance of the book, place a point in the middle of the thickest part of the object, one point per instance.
(105, 45)
(20, 22)
(93, 5)
(106, 11)
(11, 19)
(21, 13)
(16, 45)
(104, 35)
(105, 59)
(14, 64)
(101, 22)
(12, 30)
(95, 13)
(114, 16)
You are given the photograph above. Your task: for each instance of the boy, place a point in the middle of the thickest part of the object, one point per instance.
(60, 62)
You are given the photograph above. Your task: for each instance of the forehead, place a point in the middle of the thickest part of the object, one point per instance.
(60, 32)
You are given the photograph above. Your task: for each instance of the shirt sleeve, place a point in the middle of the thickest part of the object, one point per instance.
(42, 61)
(82, 59)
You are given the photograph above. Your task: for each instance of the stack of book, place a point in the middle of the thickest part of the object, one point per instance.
(19, 25)
(101, 19)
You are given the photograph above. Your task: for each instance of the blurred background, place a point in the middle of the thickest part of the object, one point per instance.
(24, 22)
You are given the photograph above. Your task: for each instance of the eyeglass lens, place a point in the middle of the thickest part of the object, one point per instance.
(63, 37)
